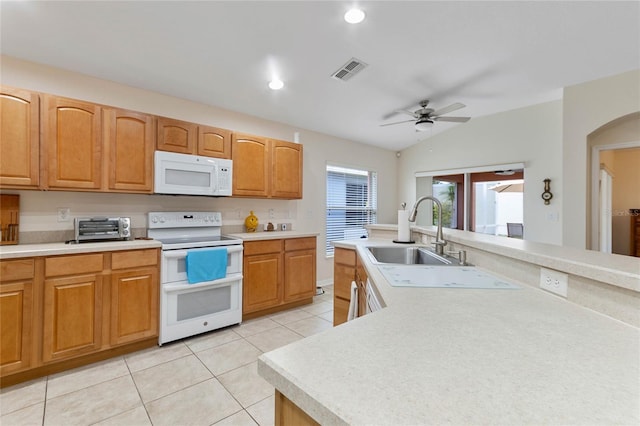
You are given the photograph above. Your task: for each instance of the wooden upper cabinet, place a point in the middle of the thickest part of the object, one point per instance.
(286, 180)
(73, 143)
(177, 136)
(214, 142)
(190, 138)
(266, 168)
(19, 138)
(251, 161)
(129, 145)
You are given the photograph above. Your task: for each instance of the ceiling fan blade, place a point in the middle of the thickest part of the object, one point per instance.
(405, 111)
(448, 109)
(452, 119)
(397, 122)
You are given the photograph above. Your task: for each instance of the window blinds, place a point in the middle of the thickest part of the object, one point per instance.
(352, 202)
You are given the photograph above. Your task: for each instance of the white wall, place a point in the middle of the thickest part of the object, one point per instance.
(586, 108)
(39, 209)
(532, 135)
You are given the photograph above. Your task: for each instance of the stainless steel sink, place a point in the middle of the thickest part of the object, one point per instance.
(410, 255)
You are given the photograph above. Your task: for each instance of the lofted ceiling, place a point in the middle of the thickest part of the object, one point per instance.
(491, 56)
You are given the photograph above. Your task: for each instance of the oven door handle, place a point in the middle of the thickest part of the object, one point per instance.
(168, 288)
(171, 254)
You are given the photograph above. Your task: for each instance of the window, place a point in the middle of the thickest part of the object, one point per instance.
(352, 203)
(480, 199)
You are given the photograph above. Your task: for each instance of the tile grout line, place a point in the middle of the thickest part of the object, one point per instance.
(137, 390)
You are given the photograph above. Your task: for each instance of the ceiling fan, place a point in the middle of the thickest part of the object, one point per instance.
(425, 117)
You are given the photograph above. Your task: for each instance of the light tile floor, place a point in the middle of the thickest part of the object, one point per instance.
(209, 379)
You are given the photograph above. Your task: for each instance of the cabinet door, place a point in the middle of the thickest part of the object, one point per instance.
(300, 275)
(129, 146)
(134, 305)
(261, 286)
(214, 142)
(73, 141)
(344, 272)
(15, 322)
(72, 316)
(286, 179)
(250, 166)
(19, 138)
(177, 136)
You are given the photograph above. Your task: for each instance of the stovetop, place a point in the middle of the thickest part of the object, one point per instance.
(197, 241)
(180, 230)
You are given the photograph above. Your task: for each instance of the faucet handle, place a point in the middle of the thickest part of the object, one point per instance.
(462, 256)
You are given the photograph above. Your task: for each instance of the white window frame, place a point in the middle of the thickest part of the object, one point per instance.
(340, 201)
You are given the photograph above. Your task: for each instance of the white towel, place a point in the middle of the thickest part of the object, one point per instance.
(353, 305)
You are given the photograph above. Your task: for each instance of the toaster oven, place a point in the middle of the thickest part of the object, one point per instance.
(92, 229)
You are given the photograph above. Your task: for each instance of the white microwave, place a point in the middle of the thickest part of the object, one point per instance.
(185, 174)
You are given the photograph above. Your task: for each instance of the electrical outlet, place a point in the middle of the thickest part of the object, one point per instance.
(554, 281)
(64, 214)
(284, 227)
(272, 214)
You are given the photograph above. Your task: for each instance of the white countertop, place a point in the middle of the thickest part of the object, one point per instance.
(618, 270)
(464, 356)
(272, 235)
(51, 249)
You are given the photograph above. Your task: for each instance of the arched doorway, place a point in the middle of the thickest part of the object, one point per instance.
(613, 189)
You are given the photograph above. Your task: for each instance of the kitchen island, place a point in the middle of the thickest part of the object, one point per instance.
(468, 356)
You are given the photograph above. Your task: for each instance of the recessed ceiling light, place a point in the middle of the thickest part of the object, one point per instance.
(276, 84)
(354, 16)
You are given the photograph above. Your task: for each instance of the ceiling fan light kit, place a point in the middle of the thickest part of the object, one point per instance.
(423, 125)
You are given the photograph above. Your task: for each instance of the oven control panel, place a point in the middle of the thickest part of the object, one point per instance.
(184, 219)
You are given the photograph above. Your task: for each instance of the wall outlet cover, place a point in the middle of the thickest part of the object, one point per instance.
(284, 227)
(64, 214)
(554, 281)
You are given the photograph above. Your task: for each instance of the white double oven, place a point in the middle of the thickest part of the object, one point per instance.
(189, 309)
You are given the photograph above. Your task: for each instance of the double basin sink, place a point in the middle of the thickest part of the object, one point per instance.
(411, 255)
(427, 270)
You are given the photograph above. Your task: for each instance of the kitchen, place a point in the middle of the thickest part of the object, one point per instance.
(544, 133)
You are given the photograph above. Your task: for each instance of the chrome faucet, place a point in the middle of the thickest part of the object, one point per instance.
(440, 242)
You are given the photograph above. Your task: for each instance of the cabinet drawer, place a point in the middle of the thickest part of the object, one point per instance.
(17, 269)
(134, 258)
(73, 265)
(262, 247)
(344, 256)
(300, 244)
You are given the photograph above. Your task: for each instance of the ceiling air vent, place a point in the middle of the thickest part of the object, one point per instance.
(348, 70)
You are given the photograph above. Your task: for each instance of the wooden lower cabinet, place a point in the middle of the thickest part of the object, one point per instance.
(60, 312)
(15, 323)
(344, 272)
(16, 314)
(134, 305)
(299, 268)
(72, 316)
(277, 274)
(347, 268)
(287, 413)
(262, 282)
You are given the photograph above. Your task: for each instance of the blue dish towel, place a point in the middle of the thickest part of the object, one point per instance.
(206, 265)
